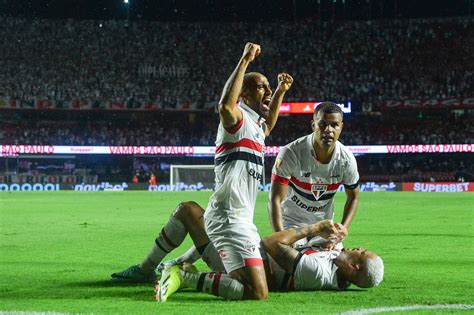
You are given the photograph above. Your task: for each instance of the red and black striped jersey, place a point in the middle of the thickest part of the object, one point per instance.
(238, 169)
(312, 185)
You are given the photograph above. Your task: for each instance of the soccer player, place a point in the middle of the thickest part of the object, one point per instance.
(239, 168)
(289, 269)
(313, 268)
(307, 174)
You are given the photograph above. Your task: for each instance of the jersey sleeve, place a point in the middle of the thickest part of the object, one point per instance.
(351, 174)
(285, 164)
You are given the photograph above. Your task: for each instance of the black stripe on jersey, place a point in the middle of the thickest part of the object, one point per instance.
(239, 155)
(311, 196)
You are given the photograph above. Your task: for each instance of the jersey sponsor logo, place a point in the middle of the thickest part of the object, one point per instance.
(258, 176)
(304, 206)
(319, 190)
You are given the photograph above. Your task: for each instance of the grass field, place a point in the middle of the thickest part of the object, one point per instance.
(57, 251)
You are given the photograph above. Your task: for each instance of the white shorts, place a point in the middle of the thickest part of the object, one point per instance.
(238, 244)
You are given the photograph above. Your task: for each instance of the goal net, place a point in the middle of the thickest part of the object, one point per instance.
(192, 177)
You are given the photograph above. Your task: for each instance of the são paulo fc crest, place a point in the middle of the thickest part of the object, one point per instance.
(319, 190)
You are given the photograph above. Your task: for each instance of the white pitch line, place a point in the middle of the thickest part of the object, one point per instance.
(35, 313)
(408, 308)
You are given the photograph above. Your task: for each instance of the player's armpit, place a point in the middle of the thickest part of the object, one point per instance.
(230, 115)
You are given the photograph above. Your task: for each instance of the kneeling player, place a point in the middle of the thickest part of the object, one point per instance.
(287, 269)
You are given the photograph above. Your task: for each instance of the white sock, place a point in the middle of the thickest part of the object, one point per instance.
(215, 283)
(190, 256)
(212, 259)
(170, 237)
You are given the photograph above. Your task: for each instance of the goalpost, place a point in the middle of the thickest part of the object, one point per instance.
(195, 177)
(192, 177)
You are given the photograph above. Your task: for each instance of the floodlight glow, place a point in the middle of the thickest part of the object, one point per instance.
(125, 1)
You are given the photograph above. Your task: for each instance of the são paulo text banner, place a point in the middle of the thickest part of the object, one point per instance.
(12, 150)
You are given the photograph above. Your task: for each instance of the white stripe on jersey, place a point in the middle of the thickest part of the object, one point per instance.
(239, 169)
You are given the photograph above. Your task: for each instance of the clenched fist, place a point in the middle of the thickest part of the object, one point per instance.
(251, 51)
(328, 230)
(284, 82)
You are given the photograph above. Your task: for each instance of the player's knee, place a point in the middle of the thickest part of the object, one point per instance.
(258, 293)
(187, 210)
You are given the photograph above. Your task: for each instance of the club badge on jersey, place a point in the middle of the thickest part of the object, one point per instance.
(319, 190)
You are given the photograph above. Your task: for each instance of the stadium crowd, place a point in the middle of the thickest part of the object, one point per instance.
(178, 63)
(199, 129)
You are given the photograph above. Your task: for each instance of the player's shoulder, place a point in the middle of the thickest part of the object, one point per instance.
(294, 150)
(299, 144)
(345, 152)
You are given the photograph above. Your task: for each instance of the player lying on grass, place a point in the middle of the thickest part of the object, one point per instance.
(286, 269)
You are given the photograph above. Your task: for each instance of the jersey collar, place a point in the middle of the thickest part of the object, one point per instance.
(254, 115)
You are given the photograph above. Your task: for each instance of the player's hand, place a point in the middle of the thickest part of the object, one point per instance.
(342, 231)
(328, 230)
(251, 51)
(284, 82)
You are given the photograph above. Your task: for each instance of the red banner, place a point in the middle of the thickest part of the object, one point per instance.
(438, 187)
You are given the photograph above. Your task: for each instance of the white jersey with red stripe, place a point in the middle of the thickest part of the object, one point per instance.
(314, 270)
(238, 169)
(312, 185)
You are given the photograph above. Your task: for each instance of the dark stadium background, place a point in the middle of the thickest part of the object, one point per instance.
(248, 10)
(435, 61)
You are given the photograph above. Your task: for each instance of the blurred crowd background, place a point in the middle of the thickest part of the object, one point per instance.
(182, 65)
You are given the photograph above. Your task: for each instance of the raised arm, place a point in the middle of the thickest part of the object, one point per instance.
(284, 83)
(229, 114)
(278, 245)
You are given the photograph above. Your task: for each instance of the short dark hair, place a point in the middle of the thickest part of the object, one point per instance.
(248, 78)
(328, 108)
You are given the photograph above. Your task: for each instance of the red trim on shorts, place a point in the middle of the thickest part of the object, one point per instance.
(215, 283)
(245, 143)
(279, 179)
(236, 127)
(248, 262)
(307, 186)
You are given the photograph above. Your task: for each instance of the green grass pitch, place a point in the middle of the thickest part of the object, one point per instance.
(57, 251)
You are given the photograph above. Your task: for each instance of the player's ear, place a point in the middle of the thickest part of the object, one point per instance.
(313, 125)
(242, 97)
(354, 267)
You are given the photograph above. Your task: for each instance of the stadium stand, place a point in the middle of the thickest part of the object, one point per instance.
(173, 64)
